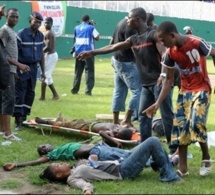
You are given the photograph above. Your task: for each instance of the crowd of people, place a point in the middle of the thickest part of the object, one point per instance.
(149, 60)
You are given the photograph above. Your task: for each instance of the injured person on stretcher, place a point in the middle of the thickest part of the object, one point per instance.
(108, 131)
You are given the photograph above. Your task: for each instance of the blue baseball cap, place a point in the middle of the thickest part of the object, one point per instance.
(37, 15)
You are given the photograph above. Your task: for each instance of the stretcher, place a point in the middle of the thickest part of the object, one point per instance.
(31, 123)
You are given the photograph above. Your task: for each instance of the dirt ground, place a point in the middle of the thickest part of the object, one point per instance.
(26, 187)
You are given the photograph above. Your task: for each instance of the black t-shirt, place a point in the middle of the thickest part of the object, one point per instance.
(121, 33)
(147, 57)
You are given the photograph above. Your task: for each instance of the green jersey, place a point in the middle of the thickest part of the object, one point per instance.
(64, 152)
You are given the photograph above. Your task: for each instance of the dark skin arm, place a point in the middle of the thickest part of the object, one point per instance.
(109, 136)
(166, 86)
(161, 49)
(20, 66)
(2, 13)
(42, 65)
(105, 50)
(11, 166)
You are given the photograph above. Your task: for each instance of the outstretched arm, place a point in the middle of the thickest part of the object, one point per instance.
(105, 50)
(11, 166)
(107, 136)
(168, 81)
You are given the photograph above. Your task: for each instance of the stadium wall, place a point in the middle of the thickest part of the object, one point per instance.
(105, 23)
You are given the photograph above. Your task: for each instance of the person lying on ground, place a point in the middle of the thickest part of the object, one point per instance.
(84, 172)
(72, 151)
(106, 130)
(75, 151)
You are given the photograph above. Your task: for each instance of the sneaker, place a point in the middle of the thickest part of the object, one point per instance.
(12, 137)
(74, 92)
(204, 171)
(175, 160)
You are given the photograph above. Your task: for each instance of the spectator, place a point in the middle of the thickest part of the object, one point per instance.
(145, 46)
(85, 34)
(51, 58)
(193, 101)
(188, 30)
(4, 66)
(126, 76)
(7, 97)
(30, 44)
(150, 21)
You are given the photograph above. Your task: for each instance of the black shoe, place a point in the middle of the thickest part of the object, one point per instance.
(18, 123)
(73, 92)
(24, 118)
(88, 93)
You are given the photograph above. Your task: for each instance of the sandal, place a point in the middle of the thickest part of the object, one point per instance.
(204, 171)
(182, 174)
(12, 137)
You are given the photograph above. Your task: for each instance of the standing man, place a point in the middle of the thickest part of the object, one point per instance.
(7, 97)
(85, 34)
(193, 102)
(51, 58)
(126, 76)
(150, 21)
(30, 44)
(148, 51)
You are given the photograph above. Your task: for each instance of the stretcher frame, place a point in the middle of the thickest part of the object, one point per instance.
(32, 123)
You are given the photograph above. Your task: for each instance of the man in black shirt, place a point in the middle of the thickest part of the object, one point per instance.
(125, 76)
(148, 51)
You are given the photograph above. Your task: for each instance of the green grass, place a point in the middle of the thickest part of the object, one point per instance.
(82, 106)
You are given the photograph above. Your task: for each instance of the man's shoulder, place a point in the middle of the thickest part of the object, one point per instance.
(4, 27)
(49, 33)
(23, 30)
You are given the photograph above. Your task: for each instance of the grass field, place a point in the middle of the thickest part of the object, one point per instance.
(86, 107)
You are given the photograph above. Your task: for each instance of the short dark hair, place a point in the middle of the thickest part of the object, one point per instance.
(140, 12)
(125, 133)
(11, 9)
(41, 152)
(150, 17)
(85, 18)
(167, 27)
(48, 174)
(49, 19)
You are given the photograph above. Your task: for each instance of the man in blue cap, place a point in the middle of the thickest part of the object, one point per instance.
(30, 45)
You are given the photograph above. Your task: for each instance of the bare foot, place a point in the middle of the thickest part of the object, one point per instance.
(55, 97)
